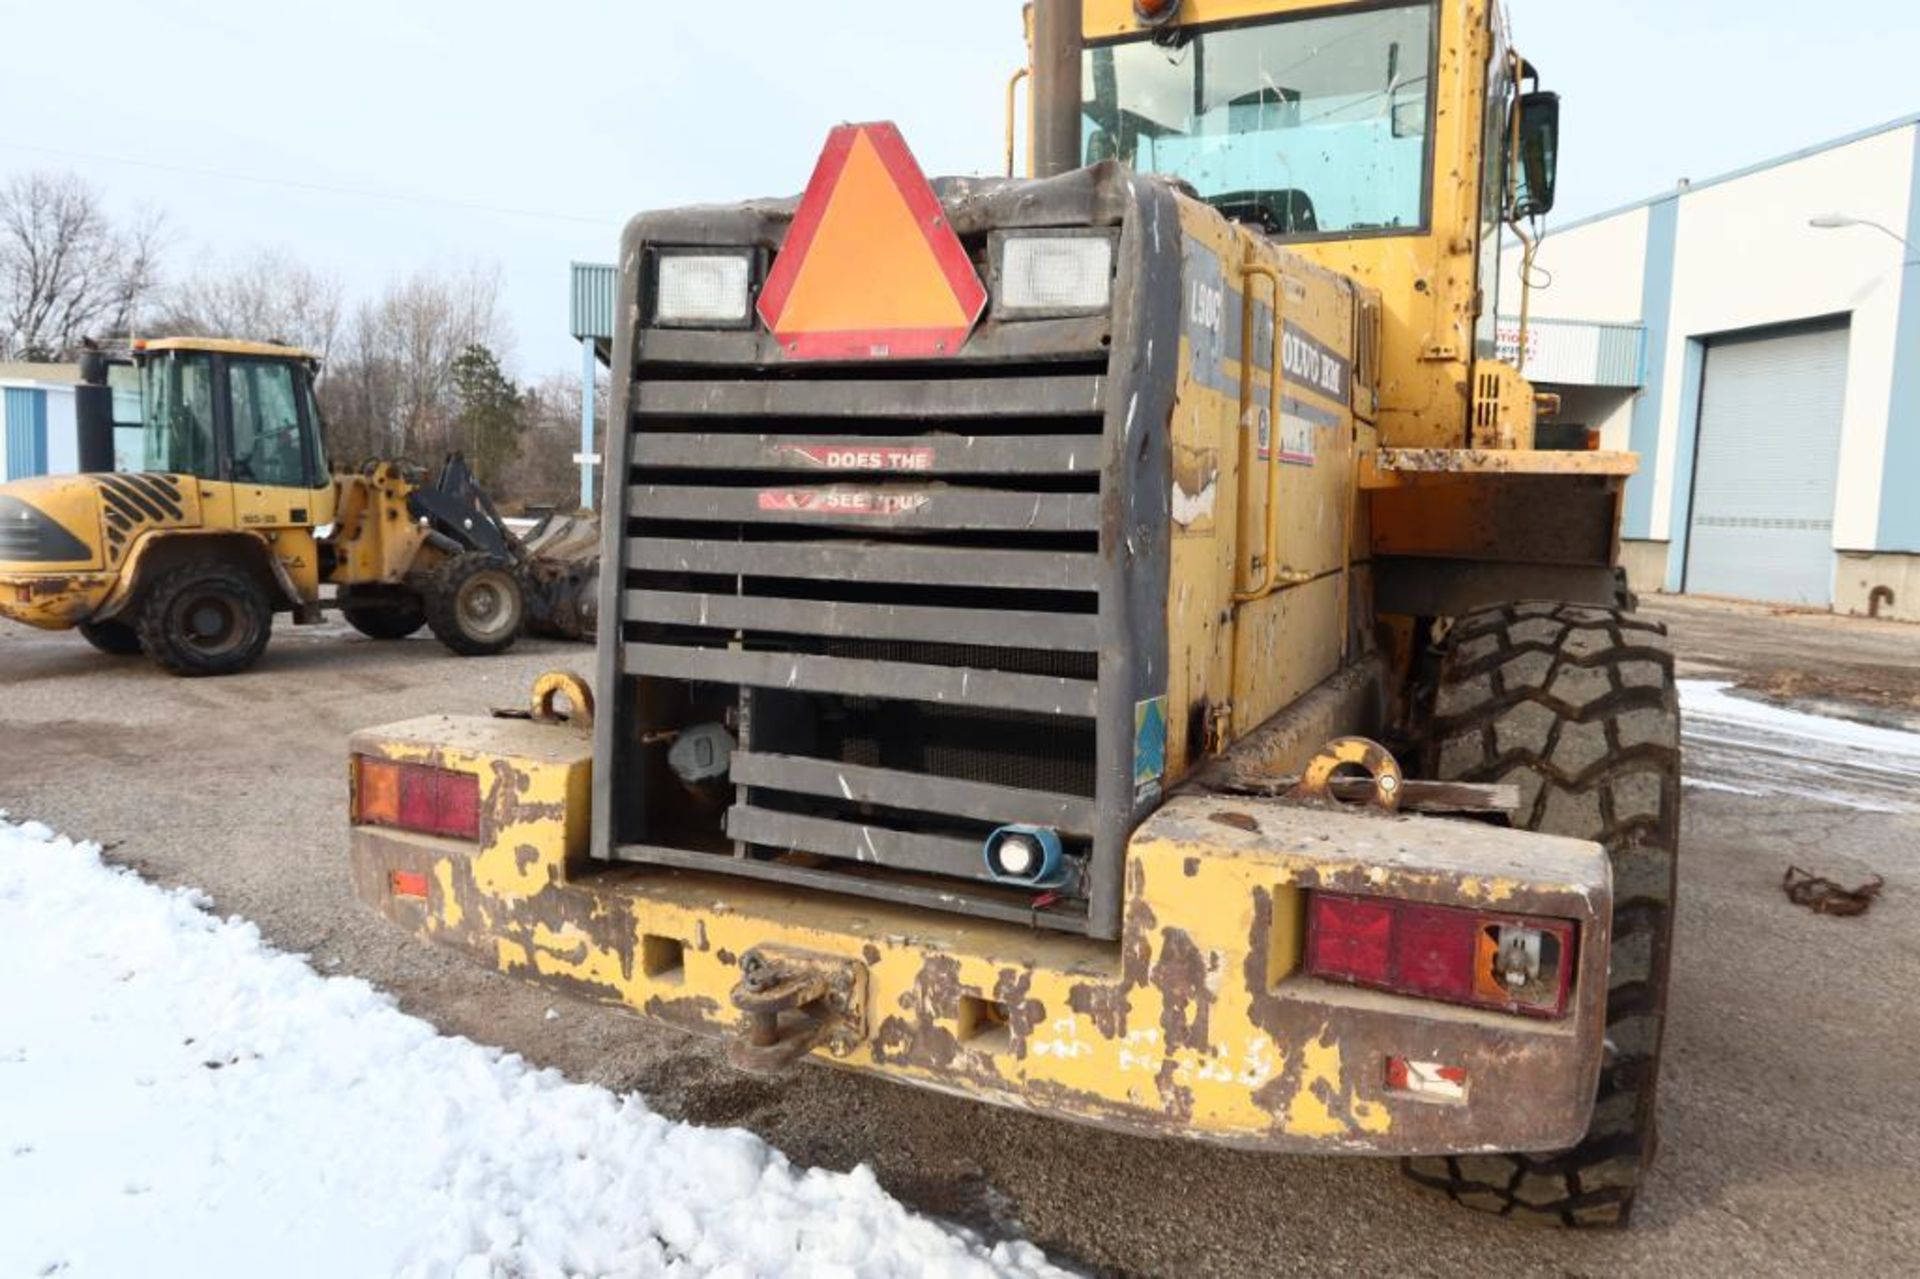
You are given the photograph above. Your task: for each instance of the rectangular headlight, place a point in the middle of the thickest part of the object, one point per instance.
(1052, 273)
(703, 289)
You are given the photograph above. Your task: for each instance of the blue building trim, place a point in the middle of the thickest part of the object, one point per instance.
(1656, 305)
(26, 432)
(1686, 450)
(1792, 157)
(1900, 471)
(589, 386)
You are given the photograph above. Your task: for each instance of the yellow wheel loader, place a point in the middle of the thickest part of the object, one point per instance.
(1109, 643)
(235, 517)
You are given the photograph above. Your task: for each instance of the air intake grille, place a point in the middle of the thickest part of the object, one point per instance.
(887, 585)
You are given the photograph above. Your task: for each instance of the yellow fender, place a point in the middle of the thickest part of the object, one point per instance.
(159, 550)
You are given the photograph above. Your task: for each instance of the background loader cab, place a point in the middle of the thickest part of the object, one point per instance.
(233, 515)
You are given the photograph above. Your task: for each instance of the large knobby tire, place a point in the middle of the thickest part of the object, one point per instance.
(393, 616)
(206, 619)
(1578, 707)
(476, 604)
(116, 639)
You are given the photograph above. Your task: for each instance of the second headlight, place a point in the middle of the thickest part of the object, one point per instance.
(703, 289)
(1043, 274)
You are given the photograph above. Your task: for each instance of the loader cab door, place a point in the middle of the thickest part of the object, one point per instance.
(275, 458)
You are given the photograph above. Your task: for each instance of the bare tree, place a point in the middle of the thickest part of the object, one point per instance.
(67, 270)
(268, 297)
(545, 474)
(392, 391)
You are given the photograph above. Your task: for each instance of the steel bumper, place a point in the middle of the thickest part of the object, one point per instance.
(52, 601)
(1199, 1023)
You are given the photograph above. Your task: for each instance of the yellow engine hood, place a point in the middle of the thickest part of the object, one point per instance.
(74, 523)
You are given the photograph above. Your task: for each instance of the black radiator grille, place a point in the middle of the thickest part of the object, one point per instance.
(886, 582)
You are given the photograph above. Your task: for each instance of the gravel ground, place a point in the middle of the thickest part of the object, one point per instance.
(1791, 1111)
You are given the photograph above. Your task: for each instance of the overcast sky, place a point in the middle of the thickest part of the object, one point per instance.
(370, 137)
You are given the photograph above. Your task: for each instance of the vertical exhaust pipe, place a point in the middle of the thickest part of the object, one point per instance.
(1056, 87)
(93, 415)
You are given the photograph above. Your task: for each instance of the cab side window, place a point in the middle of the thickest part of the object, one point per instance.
(268, 447)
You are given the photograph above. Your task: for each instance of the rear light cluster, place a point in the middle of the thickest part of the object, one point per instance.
(1514, 963)
(414, 797)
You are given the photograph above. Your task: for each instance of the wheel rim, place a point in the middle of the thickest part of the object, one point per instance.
(489, 606)
(213, 625)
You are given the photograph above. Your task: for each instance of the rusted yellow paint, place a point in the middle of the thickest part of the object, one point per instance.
(1183, 1027)
(1236, 661)
(1308, 1114)
(451, 911)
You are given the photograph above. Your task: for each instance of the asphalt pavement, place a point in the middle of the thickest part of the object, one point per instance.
(1791, 1107)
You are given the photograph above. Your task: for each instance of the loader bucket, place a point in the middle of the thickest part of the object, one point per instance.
(562, 568)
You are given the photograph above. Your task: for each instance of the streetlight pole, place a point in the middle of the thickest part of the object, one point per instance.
(1842, 222)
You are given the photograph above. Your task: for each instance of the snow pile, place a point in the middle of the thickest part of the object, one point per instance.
(1743, 746)
(178, 1098)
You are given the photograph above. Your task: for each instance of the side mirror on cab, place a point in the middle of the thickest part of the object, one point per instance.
(1538, 162)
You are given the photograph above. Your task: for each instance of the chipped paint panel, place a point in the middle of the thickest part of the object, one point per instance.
(1197, 1023)
(52, 601)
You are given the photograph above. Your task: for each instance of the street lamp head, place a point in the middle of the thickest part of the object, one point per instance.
(1833, 222)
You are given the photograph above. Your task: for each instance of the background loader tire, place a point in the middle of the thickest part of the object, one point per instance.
(206, 619)
(394, 617)
(115, 638)
(476, 604)
(1578, 706)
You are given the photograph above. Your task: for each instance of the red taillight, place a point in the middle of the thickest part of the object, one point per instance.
(1515, 963)
(1435, 949)
(1351, 936)
(428, 801)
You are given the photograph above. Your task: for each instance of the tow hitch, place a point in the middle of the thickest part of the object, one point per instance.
(792, 1003)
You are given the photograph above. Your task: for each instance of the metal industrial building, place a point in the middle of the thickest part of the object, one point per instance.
(1756, 338)
(37, 435)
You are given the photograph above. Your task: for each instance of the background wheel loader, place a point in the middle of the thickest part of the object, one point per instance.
(236, 517)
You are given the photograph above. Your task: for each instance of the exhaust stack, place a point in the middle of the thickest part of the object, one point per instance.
(93, 415)
(1056, 87)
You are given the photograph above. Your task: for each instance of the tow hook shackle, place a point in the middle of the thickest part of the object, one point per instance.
(791, 1004)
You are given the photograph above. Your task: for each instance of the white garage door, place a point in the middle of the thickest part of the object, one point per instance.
(1768, 467)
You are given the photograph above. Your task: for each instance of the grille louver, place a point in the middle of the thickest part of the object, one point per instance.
(892, 582)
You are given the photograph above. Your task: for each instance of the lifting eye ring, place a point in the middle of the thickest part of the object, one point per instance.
(1354, 754)
(554, 685)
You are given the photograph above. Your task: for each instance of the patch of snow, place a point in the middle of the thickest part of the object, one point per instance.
(176, 1097)
(1695, 783)
(1740, 745)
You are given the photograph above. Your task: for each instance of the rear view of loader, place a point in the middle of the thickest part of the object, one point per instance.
(1109, 644)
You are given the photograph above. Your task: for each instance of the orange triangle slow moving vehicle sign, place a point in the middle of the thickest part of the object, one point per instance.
(870, 269)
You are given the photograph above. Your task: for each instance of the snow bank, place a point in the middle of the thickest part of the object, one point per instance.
(1743, 746)
(178, 1098)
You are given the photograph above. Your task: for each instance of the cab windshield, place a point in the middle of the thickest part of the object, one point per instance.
(1314, 126)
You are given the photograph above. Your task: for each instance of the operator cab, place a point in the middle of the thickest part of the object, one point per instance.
(241, 413)
(1312, 124)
